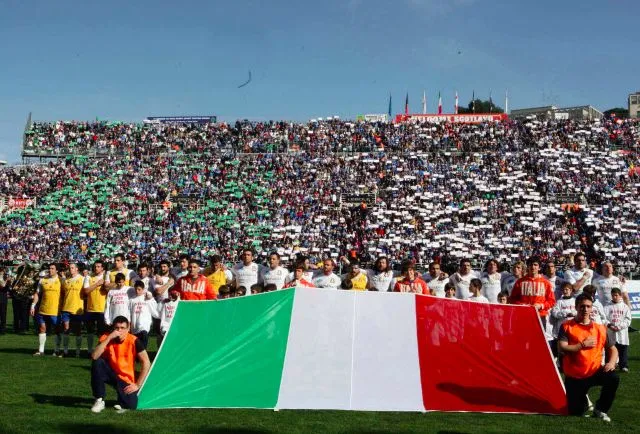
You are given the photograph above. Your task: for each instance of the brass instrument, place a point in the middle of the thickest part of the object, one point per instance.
(25, 281)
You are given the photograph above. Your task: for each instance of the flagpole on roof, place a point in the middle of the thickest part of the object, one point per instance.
(490, 102)
(473, 102)
(424, 102)
(506, 101)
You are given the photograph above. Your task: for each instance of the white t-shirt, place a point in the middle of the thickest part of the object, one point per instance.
(478, 299)
(247, 275)
(277, 276)
(306, 275)
(604, 285)
(491, 286)
(462, 284)
(142, 311)
(331, 281)
(383, 282)
(117, 304)
(619, 315)
(167, 311)
(573, 275)
(161, 281)
(435, 284)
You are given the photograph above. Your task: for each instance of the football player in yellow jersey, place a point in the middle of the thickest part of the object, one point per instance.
(48, 294)
(119, 267)
(357, 276)
(216, 274)
(72, 308)
(96, 295)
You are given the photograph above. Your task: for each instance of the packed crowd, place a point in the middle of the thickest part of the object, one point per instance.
(501, 190)
(328, 204)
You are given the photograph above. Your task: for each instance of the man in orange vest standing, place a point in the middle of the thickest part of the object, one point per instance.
(582, 342)
(113, 363)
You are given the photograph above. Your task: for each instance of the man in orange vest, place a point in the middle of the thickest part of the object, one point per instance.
(113, 363)
(582, 342)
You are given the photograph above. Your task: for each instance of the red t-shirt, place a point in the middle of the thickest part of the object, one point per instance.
(195, 289)
(418, 286)
(534, 290)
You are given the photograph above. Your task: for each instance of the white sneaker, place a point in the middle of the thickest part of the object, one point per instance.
(600, 415)
(625, 370)
(118, 408)
(98, 406)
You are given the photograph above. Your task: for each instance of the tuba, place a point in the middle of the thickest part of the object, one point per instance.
(24, 283)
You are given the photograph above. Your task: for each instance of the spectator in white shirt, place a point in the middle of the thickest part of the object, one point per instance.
(606, 282)
(580, 275)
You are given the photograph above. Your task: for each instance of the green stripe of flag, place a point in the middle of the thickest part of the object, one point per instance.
(227, 353)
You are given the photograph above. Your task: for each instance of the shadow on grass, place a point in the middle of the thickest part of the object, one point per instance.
(62, 401)
(497, 397)
(74, 428)
(232, 430)
(28, 351)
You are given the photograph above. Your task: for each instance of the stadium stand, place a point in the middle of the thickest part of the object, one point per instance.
(445, 191)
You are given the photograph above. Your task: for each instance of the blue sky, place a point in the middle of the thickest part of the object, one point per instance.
(124, 60)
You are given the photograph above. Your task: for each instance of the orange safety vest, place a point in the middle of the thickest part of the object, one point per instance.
(121, 356)
(587, 361)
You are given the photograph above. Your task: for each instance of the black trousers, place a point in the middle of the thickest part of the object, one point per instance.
(95, 322)
(3, 312)
(623, 355)
(577, 389)
(144, 338)
(102, 374)
(20, 314)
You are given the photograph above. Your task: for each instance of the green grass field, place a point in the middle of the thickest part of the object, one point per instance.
(48, 394)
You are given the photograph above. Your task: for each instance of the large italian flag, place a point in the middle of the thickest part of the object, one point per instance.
(349, 350)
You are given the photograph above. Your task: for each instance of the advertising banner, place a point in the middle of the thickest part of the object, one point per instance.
(20, 203)
(633, 286)
(476, 118)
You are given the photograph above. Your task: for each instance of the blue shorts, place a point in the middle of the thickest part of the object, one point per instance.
(43, 319)
(69, 317)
